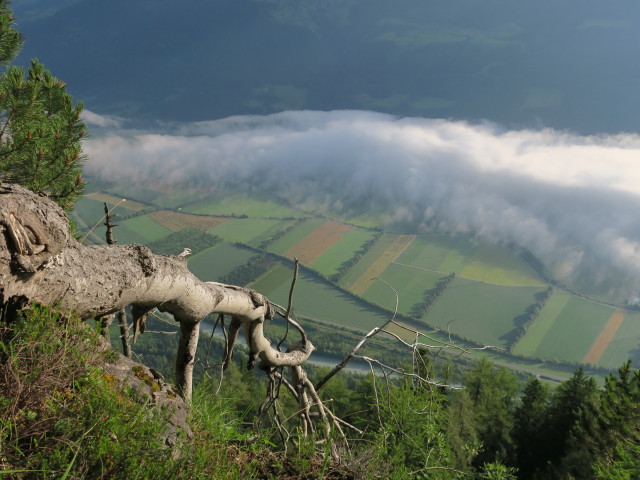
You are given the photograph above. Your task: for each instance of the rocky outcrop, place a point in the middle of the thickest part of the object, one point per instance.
(149, 388)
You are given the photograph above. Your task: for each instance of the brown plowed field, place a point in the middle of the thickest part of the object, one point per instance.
(381, 263)
(602, 342)
(176, 221)
(112, 199)
(317, 242)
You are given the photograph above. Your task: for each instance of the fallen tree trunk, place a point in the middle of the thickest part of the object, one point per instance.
(40, 262)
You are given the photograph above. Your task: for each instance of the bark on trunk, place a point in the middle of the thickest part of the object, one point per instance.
(40, 262)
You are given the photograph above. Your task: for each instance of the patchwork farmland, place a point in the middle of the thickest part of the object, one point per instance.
(452, 284)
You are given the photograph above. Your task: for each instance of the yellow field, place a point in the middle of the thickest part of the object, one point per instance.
(317, 242)
(176, 221)
(607, 334)
(112, 200)
(381, 263)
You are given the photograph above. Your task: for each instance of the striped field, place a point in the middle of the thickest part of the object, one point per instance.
(317, 242)
(380, 264)
(602, 342)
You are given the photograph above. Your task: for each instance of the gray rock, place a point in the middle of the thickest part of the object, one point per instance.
(161, 398)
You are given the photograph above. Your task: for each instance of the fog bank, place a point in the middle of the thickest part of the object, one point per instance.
(572, 200)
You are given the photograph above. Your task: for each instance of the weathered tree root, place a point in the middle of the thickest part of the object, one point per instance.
(40, 262)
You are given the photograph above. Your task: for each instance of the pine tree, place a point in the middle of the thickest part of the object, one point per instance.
(528, 432)
(571, 428)
(619, 426)
(40, 127)
(493, 392)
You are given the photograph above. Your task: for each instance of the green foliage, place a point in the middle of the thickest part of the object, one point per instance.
(62, 416)
(10, 39)
(493, 393)
(40, 127)
(619, 426)
(497, 471)
(568, 440)
(412, 438)
(531, 416)
(462, 429)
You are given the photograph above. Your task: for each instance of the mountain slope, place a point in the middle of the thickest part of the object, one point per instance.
(546, 63)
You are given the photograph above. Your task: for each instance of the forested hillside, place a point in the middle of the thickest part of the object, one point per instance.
(525, 64)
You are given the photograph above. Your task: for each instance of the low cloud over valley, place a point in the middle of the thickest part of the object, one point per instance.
(572, 200)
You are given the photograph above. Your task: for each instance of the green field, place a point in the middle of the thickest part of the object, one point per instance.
(574, 331)
(177, 198)
(480, 311)
(251, 231)
(120, 189)
(214, 263)
(341, 251)
(625, 344)
(141, 227)
(317, 300)
(536, 332)
(371, 218)
(441, 253)
(238, 204)
(367, 260)
(409, 282)
(495, 264)
(300, 231)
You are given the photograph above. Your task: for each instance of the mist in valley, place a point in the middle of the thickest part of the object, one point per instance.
(571, 200)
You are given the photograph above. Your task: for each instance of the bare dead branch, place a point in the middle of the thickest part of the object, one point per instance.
(289, 305)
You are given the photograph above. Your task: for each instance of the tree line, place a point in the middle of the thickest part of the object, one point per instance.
(525, 320)
(430, 295)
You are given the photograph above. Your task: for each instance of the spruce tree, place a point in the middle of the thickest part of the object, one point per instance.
(571, 427)
(619, 426)
(40, 127)
(493, 392)
(528, 432)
